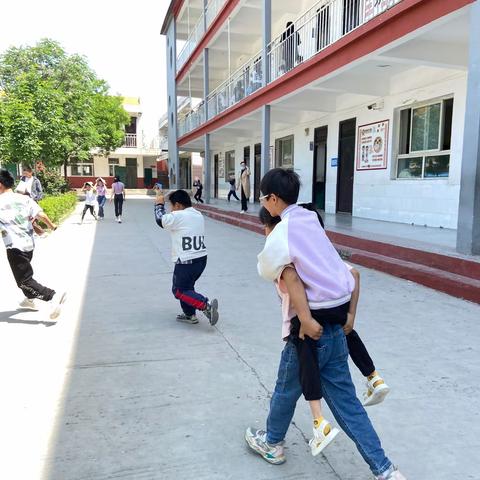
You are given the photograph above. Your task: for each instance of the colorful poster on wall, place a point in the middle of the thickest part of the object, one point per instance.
(372, 149)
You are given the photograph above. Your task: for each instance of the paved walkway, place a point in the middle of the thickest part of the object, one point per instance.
(119, 390)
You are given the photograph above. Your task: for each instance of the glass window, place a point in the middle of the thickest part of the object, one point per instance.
(284, 148)
(229, 164)
(426, 127)
(425, 140)
(111, 166)
(437, 166)
(82, 170)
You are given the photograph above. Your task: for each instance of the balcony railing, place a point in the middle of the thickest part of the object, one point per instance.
(322, 25)
(130, 140)
(198, 31)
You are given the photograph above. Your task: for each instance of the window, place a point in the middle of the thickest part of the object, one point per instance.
(82, 168)
(424, 140)
(111, 166)
(284, 152)
(229, 164)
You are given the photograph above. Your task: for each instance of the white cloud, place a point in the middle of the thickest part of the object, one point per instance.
(120, 38)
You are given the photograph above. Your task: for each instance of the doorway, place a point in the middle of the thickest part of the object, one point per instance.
(215, 176)
(346, 162)
(131, 173)
(319, 167)
(257, 153)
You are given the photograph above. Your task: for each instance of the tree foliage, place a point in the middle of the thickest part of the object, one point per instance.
(53, 107)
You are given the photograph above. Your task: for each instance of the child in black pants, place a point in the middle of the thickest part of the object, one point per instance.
(343, 315)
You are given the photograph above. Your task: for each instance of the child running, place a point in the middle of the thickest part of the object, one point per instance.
(17, 212)
(90, 200)
(189, 254)
(323, 433)
(320, 287)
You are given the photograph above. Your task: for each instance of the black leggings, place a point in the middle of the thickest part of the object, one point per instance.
(307, 350)
(86, 208)
(118, 202)
(23, 273)
(234, 193)
(198, 195)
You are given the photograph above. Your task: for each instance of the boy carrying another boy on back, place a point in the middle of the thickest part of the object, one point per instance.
(326, 284)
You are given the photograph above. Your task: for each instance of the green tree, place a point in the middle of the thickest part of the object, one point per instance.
(54, 108)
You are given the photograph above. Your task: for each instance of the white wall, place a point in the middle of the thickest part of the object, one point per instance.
(378, 194)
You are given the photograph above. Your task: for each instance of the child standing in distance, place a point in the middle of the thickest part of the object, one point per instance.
(198, 194)
(322, 287)
(118, 197)
(232, 189)
(101, 188)
(16, 215)
(189, 254)
(90, 200)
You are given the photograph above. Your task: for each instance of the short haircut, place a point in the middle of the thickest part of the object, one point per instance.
(6, 178)
(285, 184)
(267, 219)
(181, 197)
(27, 169)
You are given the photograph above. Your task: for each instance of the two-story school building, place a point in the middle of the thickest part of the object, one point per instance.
(375, 103)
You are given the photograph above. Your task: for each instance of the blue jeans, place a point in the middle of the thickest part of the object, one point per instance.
(101, 199)
(338, 391)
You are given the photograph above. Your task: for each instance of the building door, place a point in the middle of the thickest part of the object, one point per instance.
(121, 173)
(346, 161)
(131, 173)
(215, 176)
(147, 177)
(258, 172)
(319, 167)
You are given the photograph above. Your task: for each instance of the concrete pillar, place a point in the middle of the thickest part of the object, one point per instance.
(207, 160)
(208, 169)
(266, 39)
(468, 233)
(265, 162)
(173, 161)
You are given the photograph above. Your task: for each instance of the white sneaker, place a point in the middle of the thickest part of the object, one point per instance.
(320, 439)
(376, 391)
(391, 474)
(28, 304)
(242, 211)
(120, 219)
(57, 303)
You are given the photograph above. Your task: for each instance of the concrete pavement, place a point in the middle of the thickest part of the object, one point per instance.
(119, 390)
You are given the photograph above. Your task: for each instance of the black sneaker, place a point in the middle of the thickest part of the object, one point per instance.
(211, 312)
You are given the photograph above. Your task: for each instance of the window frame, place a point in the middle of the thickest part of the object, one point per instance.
(112, 162)
(82, 164)
(279, 151)
(424, 154)
(229, 164)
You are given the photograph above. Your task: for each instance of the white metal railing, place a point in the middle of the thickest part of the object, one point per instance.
(198, 31)
(322, 25)
(192, 120)
(242, 83)
(213, 7)
(193, 39)
(130, 140)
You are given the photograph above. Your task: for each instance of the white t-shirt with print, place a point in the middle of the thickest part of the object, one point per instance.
(90, 197)
(16, 214)
(187, 228)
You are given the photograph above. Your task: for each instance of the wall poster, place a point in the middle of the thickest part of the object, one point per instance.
(372, 149)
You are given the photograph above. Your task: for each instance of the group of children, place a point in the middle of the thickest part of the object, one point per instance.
(319, 295)
(98, 195)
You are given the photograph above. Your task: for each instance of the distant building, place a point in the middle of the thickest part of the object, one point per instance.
(135, 162)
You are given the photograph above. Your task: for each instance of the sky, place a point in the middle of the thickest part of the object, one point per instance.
(120, 39)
